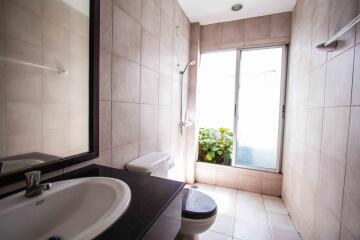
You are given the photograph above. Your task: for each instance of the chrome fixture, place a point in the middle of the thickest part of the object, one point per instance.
(33, 186)
(183, 121)
(59, 69)
(331, 44)
(237, 7)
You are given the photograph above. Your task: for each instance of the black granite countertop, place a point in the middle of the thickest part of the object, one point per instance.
(149, 197)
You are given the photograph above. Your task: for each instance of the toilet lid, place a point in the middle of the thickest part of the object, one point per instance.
(197, 205)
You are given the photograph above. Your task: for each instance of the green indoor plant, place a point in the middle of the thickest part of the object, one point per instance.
(215, 146)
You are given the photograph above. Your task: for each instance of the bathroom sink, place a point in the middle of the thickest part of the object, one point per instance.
(73, 209)
(11, 165)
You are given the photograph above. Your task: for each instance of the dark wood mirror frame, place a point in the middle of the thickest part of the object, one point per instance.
(94, 33)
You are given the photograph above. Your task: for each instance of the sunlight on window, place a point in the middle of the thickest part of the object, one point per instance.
(217, 89)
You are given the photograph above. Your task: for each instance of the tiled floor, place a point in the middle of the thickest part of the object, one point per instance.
(248, 216)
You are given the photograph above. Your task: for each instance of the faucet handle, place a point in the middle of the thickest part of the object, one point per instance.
(32, 179)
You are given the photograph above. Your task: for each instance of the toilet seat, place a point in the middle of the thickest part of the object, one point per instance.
(197, 205)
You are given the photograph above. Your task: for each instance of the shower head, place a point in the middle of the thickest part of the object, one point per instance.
(191, 63)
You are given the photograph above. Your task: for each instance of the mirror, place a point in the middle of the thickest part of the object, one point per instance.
(48, 84)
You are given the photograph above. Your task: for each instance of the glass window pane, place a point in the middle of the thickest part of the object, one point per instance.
(259, 98)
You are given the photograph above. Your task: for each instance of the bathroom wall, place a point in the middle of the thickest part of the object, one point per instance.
(142, 42)
(251, 32)
(40, 110)
(321, 163)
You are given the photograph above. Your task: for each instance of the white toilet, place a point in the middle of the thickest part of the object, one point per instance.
(198, 209)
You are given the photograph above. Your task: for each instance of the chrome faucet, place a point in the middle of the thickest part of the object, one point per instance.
(33, 186)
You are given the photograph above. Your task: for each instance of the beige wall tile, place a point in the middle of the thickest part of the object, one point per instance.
(165, 91)
(22, 87)
(205, 173)
(345, 234)
(195, 33)
(233, 34)
(308, 207)
(125, 80)
(271, 186)
(56, 89)
(149, 92)
(356, 77)
(148, 145)
(178, 19)
(314, 179)
(23, 143)
(79, 22)
(150, 50)
(79, 46)
(34, 6)
(341, 13)
(23, 118)
(311, 168)
(327, 226)
(164, 121)
(148, 121)
(125, 123)
(353, 154)
(211, 36)
(320, 31)
(105, 75)
(105, 125)
(351, 206)
(106, 24)
(151, 16)
(358, 26)
(18, 49)
(257, 29)
(126, 35)
(280, 25)
(339, 80)
(131, 7)
(166, 60)
(124, 154)
(168, 6)
(226, 178)
(60, 58)
(55, 116)
(164, 143)
(331, 184)
(250, 181)
(22, 24)
(314, 127)
(55, 38)
(78, 140)
(104, 159)
(56, 142)
(167, 28)
(317, 87)
(57, 12)
(335, 132)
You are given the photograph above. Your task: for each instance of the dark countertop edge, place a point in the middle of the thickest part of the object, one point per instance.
(162, 210)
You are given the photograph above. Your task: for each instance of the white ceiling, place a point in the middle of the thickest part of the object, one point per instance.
(213, 11)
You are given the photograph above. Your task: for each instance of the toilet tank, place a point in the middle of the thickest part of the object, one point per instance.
(154, 164)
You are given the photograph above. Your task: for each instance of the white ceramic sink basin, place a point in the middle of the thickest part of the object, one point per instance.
(73, 209)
